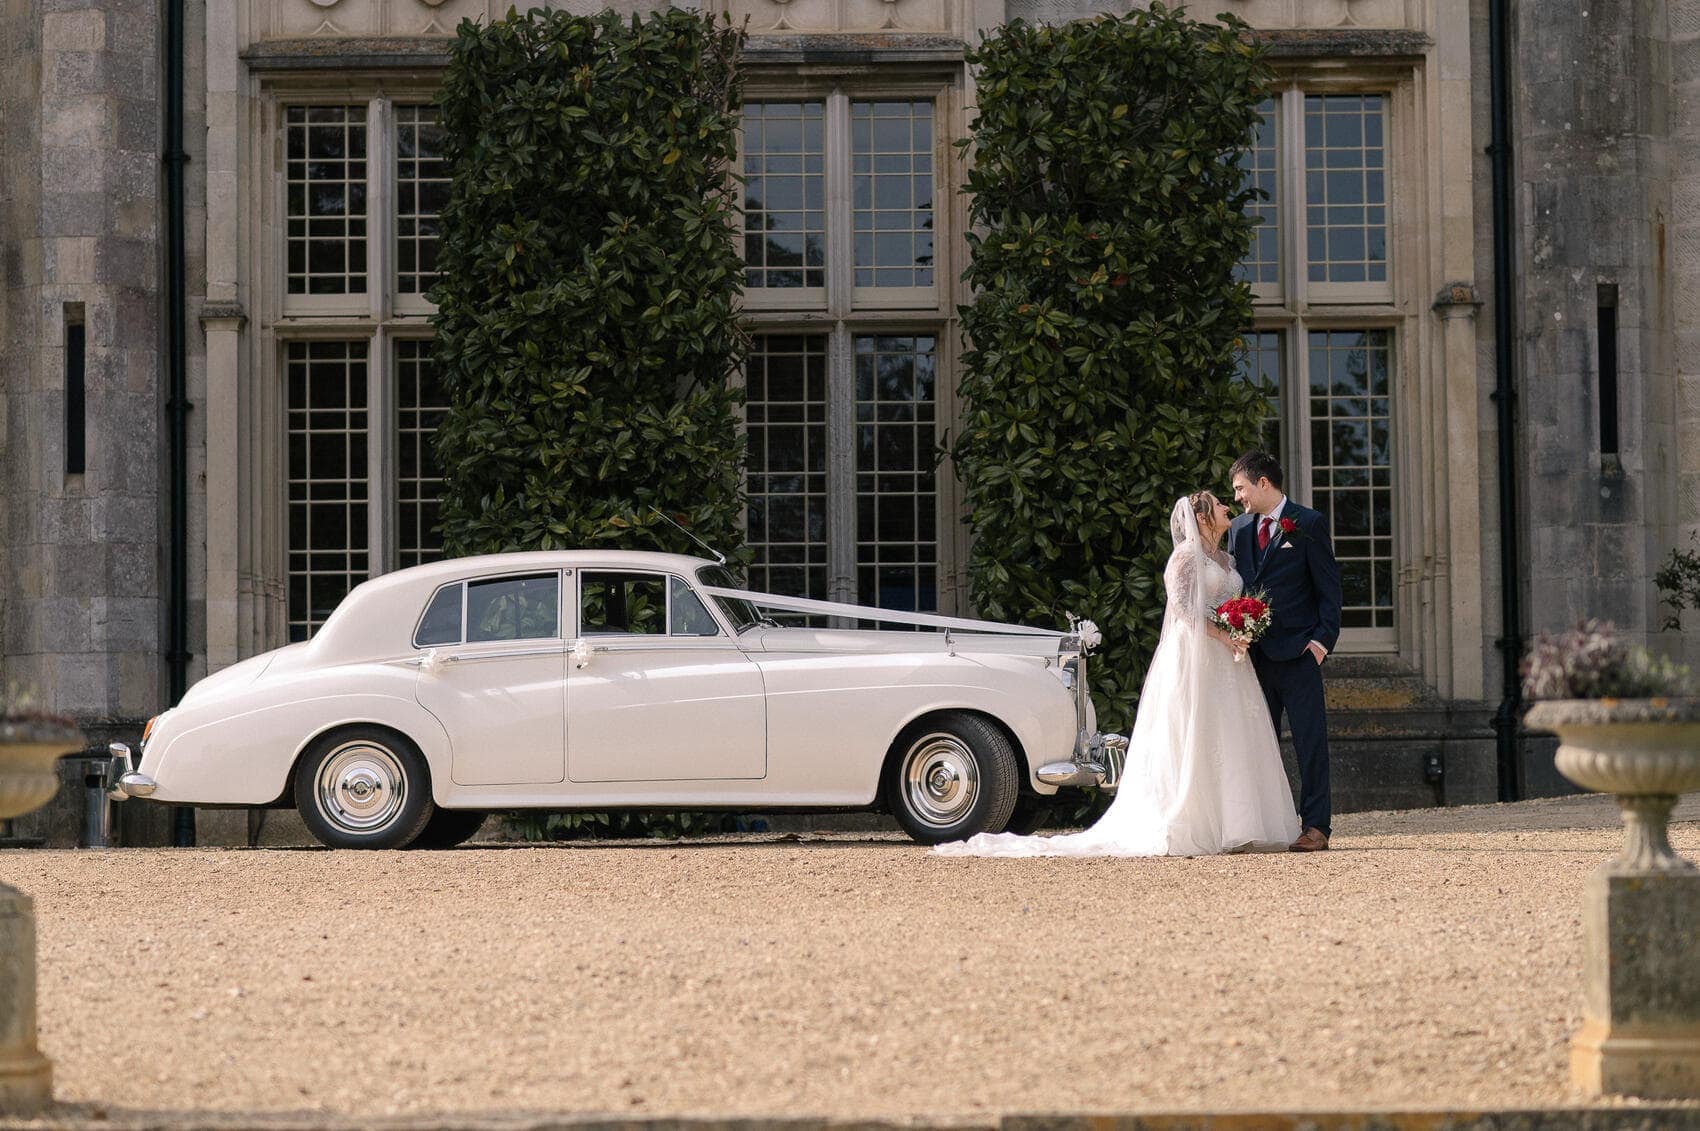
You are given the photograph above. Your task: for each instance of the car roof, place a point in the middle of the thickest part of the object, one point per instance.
(476, 565)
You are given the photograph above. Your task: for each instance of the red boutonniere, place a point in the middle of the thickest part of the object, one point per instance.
(1290, 529)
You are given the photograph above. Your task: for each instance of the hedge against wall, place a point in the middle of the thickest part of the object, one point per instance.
(1108, 211)
(585, 318)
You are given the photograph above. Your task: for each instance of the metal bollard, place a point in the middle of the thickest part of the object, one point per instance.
(100, 772)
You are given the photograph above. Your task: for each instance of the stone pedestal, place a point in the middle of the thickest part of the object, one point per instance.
(1640, 1034)
(26, 1078)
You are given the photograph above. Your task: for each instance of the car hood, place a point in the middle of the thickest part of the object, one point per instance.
(875, 641)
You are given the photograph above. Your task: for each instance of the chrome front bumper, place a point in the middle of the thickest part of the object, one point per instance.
(128, 783)
(1098, 764)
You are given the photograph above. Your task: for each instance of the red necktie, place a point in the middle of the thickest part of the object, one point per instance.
(1263, 533)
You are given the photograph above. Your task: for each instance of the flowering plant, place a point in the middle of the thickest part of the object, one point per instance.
(1244, 619)
(1589, 661)
(1290, 528)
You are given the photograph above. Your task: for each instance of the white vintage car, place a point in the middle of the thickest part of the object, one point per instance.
(607, 680)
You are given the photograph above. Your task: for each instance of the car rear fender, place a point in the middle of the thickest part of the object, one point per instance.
(242, 750)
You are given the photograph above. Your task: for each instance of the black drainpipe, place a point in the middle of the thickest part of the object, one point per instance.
(1507, 721)
(177, 652)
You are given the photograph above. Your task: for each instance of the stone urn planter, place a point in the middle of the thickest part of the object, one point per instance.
(1641, 910)
(28, 778)
(1646, 751)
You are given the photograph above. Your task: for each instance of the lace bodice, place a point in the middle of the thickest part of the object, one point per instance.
(1221, 582)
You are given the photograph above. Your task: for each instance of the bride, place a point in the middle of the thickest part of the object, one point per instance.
(1203, 771)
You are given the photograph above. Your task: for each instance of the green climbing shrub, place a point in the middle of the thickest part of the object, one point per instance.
(1100, 384)
(586, 328)
(586, 324)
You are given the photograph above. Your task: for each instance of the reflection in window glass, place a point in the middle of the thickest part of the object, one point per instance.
(421, 404)
(1346, 187)
(785, 415)
(325, 207)
(896, 493)
(784, 194)
(612, 603)
(421, 191)
(441, 622)
(328, 484)
(1260, 363)
(1262, 263)
(690, 618)
(513, 608)
(892, 155)
(1352, 465)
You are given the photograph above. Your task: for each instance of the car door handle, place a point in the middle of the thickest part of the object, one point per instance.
(434, 658)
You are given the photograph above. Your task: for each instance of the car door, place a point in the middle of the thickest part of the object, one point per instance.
(494, 674)
(657, 689)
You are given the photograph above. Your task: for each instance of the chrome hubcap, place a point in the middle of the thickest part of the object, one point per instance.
(361, 786)
(941, 780)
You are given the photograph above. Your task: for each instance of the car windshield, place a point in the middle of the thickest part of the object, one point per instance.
(741, 613)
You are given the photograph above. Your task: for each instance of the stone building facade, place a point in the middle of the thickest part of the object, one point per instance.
(312, 180)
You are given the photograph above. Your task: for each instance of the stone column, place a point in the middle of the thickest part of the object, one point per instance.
(26, 1078)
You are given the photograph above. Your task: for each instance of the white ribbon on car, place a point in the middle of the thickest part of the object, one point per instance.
(1085, 631)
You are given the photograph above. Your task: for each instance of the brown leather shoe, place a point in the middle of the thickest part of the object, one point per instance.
(1311, 840)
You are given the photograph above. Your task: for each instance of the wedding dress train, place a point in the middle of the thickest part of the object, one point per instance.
(1203, 772)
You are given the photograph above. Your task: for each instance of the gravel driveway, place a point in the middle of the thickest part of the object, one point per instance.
(1432, 958)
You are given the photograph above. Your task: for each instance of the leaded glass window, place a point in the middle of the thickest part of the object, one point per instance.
(1262, 265)
(896, 491)
(325, 174)
(1260, 363)
(892, 175)
(1346, 188)
(421, 404)
(1351, 441)
(328, 486)
(421, 191)
(786, 464)
(784, 194)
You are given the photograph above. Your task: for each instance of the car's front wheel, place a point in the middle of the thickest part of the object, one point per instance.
(363, 787)
(951, 776)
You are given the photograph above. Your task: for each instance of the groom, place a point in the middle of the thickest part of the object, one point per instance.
(1283, 549)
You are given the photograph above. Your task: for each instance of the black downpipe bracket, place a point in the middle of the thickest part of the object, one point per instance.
(1507, 721)
(177, 652)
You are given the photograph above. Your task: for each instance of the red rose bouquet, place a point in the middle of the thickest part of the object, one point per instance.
(1244, 619)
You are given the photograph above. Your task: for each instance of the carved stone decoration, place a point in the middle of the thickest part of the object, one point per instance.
(890, 15)
(782, 24)
(429, 3)
(324, 3)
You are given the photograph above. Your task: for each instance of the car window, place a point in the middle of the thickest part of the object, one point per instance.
(612, 602)
(741, 613)
(513, 608)
(689, 616)
(441, 622)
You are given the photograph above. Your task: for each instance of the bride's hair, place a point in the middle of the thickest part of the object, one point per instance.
(1200, 501)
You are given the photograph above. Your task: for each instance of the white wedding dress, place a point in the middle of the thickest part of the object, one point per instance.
(1203, 772)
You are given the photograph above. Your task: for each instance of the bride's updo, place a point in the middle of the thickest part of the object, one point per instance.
(1200, 502)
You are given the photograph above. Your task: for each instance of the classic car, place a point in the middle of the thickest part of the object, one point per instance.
(605, 680)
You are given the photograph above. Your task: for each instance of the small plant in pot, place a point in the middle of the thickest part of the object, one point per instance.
(1628, 723)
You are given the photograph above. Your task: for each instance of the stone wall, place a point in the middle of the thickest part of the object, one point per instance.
(82, 241)
(1594, 176)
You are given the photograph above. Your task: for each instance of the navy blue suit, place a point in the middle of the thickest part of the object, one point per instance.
(1298, 574)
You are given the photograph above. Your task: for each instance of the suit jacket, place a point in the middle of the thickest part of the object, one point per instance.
(1299, 575)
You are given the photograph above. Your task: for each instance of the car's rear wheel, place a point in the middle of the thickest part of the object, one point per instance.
(449, 827)
(363, 787)
(951, 776)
